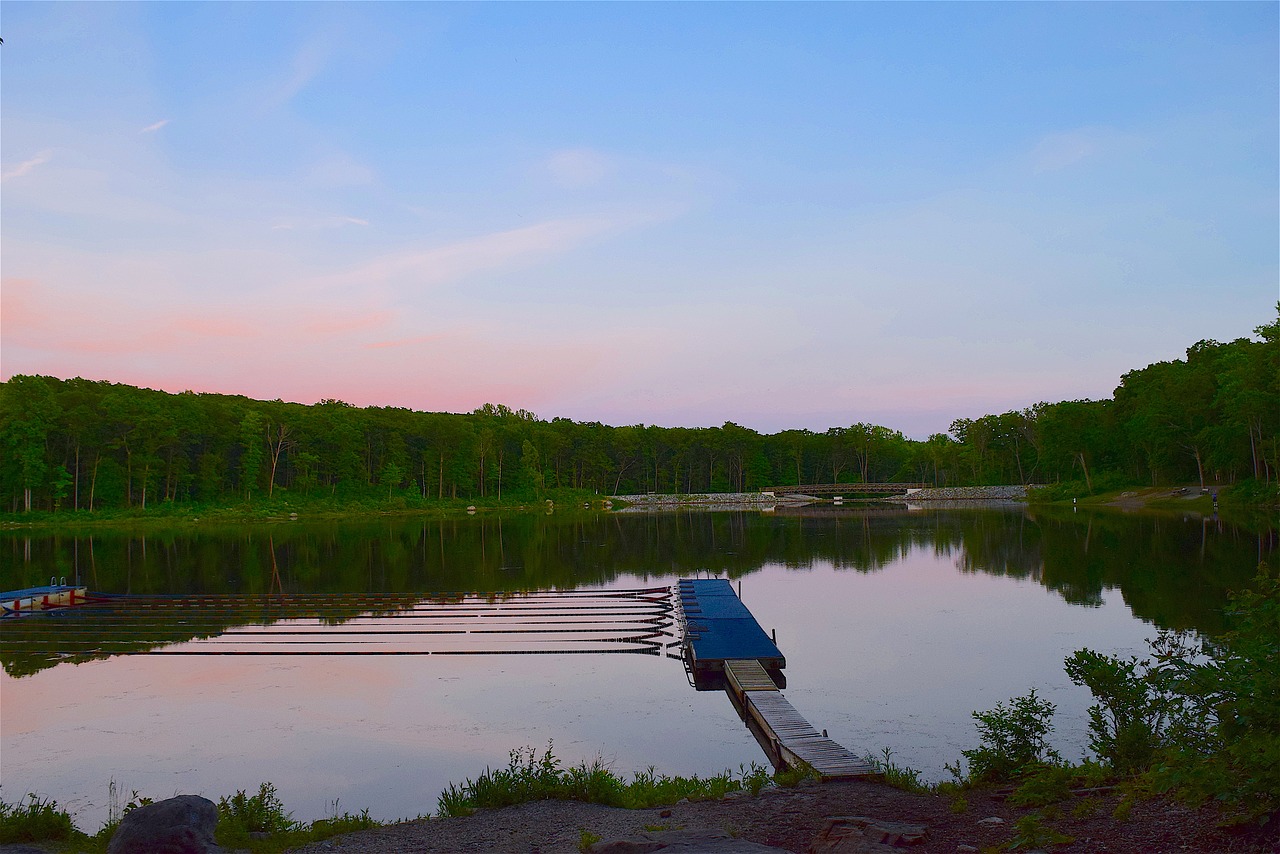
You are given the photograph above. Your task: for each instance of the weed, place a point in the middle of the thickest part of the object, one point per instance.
(1085, 807)
(1032, 832)
(796, 775)
(586, 839)
(1042, 786)
(260, 813)
(959, 805)
(897, 776)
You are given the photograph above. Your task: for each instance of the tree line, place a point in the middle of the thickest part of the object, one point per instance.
(84, 445)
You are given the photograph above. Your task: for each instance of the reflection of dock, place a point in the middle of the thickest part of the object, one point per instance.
(550, 622)
(43, 598)
(725, 647)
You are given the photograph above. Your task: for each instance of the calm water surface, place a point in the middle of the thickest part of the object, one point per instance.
(896, 625)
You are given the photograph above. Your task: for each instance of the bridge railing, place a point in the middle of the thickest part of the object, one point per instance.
(845, 488)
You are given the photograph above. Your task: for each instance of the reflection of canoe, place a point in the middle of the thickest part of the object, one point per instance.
(43, 598)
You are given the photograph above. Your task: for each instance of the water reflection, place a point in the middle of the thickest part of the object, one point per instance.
(895, 625)
(1173, 571)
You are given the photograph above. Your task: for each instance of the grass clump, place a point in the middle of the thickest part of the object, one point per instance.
(35, 820)
(261, 823)
(534, 776)
(898, 776)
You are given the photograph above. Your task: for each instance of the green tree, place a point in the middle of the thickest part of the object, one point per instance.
(251, 451)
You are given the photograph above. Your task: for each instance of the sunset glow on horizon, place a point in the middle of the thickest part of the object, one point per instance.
(780, 215)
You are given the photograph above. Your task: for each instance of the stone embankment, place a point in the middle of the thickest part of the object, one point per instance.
(965, 493)
(735, 499)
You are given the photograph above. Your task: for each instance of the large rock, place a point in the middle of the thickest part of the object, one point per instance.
(181, 825)
(856, 834)
(683, 842)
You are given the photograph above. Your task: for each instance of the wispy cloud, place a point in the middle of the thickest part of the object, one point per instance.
(154, 127)
(1058, 151)
(309, 61)
(490, 251)
(313, 223)
(26, 166)
(578, 167)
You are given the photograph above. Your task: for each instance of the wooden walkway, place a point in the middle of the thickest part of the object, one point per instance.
(716, 628)
(792, 738)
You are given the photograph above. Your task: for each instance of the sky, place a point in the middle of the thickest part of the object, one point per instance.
(782, 215)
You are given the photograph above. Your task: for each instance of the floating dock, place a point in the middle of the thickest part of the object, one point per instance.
(44, 598)
(719, 628)
(723, 640)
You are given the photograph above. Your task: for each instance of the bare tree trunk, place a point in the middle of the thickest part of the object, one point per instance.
(1087, 483)
(93, 482)
(277, 447)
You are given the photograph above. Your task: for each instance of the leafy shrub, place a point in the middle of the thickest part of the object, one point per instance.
(1014, 739)
(1226, 742)
(1127, 725)
(1198, 717)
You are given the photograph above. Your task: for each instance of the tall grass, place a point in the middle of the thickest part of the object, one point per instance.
(34, 820)
(530, 776)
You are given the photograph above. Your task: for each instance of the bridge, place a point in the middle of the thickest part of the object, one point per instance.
(819, 489)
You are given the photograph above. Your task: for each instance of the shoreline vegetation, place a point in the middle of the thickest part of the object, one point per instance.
(1192, 724)
(79, 447)
(1238, 502)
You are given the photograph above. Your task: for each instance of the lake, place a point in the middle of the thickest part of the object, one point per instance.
(896, 624)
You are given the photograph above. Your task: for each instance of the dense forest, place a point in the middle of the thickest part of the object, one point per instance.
(84, 445)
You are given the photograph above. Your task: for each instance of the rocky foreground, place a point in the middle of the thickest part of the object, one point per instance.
(830, 818)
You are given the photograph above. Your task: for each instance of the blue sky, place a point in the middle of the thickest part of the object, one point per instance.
(784, 215)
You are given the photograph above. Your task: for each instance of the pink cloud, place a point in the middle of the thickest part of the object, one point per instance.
(403, 342)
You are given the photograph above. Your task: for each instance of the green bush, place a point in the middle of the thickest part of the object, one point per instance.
(1226, 742)
(1198, 717)
(1127, 725)
(1014, 739)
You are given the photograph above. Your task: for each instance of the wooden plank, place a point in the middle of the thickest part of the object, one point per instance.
(777, 717)
(747, 675)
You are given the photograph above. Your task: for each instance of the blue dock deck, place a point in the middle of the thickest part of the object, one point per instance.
(719, 628)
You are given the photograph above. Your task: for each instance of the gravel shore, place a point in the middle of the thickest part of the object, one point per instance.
(790, 819)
